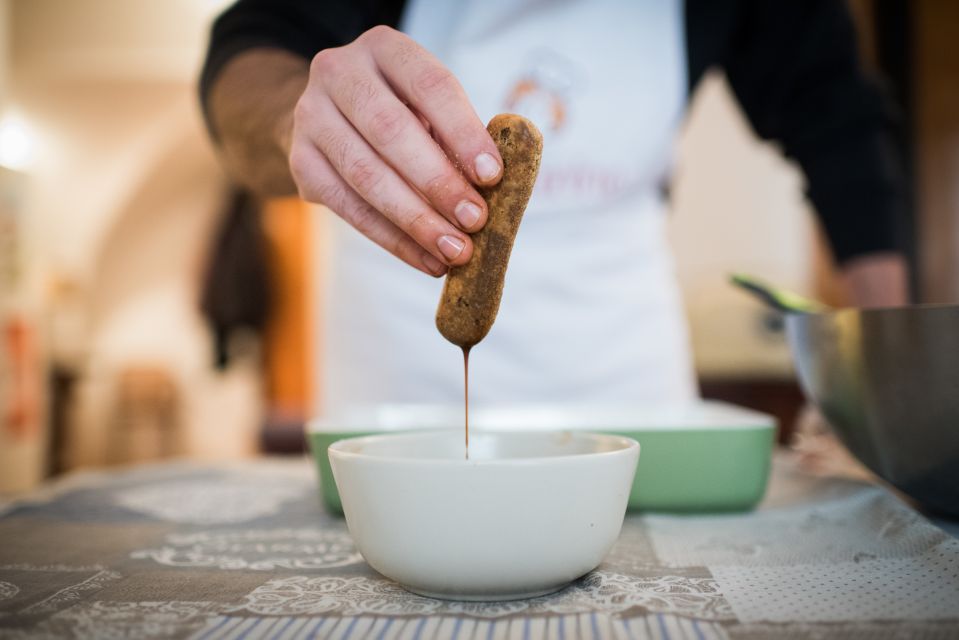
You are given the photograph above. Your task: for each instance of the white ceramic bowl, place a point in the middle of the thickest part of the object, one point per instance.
(524, 516)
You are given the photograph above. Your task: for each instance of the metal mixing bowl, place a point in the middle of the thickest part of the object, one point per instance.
(887, 380)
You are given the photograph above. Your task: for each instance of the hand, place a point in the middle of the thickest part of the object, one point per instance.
(385, 137)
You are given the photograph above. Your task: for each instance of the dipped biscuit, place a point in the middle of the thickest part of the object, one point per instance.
(472, 292)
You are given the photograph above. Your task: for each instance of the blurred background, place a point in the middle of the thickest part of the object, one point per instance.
(118, 231)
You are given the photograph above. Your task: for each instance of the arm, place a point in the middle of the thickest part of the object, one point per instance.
(255, 128)
(794, 68)
(301, 99)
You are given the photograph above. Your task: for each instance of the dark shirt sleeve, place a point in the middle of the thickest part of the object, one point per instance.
(794, 67)
(303, 27)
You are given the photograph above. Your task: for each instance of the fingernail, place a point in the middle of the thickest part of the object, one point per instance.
(450, 246)
(433, 265)
(487, 168)
(467, 213)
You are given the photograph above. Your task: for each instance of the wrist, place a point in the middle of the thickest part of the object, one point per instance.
(876, 280)
(289, 92)
(251, 104)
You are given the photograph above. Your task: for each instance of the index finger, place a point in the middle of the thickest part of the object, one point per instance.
(434, 92)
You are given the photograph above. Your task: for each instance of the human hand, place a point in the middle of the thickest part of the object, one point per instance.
(385, 136)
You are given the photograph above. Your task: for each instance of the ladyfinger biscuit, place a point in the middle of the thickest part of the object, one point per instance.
(472, 292)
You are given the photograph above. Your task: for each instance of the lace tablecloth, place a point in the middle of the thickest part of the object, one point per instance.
(246, 551)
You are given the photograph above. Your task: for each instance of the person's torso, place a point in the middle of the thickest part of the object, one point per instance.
(590, 311)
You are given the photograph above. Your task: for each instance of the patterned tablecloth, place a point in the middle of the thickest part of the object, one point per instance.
(246, 551)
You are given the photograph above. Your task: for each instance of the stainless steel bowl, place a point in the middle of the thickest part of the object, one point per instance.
(887, 380)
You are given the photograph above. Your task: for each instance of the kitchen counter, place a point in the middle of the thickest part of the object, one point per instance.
(182, 550)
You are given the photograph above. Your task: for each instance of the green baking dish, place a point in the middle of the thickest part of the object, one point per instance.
(705, 457)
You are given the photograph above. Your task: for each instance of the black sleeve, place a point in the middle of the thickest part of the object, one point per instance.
(303, 27)
(794, 67)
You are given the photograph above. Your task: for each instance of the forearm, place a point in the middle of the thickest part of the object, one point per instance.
(251, 111)
(877, 280)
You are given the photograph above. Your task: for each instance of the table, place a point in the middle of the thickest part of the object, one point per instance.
(185, 550)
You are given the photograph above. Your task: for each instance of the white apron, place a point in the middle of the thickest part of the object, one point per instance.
(591, 310)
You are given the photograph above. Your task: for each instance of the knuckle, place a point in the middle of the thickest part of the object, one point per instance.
(299, 170)
(325, 62)
(312, 191)
(379, 33)
(362, 91)
(439, 188)
(471, 139)
(400, 247)
(433, 81)
(297, 157)
(363, 219)
(334, 146)
(331, 195)
(405, 50)
(308, 190)
(303, 189)
(386, 125)
(418, 224)
(302, 110)
(305, 194)
(475, 135)
(297, 163)
(363, 175)
(310, 185)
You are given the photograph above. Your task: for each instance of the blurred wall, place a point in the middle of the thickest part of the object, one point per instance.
(21, 436)
(108, 82)
(4, 49)
(737, 206)
(122, 200)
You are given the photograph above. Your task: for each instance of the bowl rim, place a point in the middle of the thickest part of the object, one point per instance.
(336, 449)
(700, 415)
(877, 311)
